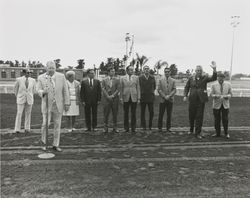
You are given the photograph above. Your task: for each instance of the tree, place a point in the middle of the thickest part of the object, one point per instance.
(102, 67)
(81, 64)
(159, 64)
(16, 63)
(141, 60)
(173, 69)
(58, 65)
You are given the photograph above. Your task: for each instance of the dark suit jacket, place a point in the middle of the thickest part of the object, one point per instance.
(110, 90)
(198, 88)
(147, 87)
(90, 95)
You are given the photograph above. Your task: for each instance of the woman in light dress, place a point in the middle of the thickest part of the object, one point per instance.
(74, 91)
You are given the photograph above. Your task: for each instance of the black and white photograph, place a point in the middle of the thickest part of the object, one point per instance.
(125, 98)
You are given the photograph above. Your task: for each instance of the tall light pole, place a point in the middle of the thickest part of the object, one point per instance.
(235, 22)
(127, 39)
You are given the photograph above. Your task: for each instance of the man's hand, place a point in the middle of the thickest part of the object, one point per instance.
(185, 99)
(138, 101)
(167, 97)
(110, 97)
(66, 107)
(83, 103)
(225, 97)
(216, 96)
(213, 65)
(44, 92)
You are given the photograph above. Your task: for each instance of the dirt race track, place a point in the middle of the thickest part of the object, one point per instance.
(147, 164)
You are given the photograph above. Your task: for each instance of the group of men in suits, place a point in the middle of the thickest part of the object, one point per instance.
(130, 90)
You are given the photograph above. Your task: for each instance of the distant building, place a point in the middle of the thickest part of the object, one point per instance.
(11, 73)
(244, 78)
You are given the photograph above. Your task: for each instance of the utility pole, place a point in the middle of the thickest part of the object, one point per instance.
(127, 39)
(234, 23)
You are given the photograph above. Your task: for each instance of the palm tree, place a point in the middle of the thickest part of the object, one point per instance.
(141, 60)
(159, 64)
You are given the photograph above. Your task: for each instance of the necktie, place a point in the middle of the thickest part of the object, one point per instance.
(27, 83)
(110, 84)
(221, 88)
(91, 83)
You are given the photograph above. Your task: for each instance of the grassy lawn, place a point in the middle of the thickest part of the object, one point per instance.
(239, 113)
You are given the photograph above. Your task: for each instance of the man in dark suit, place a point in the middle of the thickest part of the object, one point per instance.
(111, 90)
(196, 87)
(90, 96)
(147, 86)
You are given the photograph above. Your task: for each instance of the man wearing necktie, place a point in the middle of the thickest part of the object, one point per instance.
(90, 95)
(25, 88)
(130, 96)
(166, 90)
(147, 86)
(111, 91)
(196, 88)
(53, 85)
(221, 92)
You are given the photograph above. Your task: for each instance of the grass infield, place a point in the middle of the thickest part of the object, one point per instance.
(239, 113)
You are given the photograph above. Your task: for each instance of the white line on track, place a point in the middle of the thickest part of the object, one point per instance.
(126, 160)
(174, 129)
(149, 147)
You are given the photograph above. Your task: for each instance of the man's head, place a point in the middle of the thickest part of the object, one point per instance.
(91, 73)
(130, 70)
(220, 77)
(146, 70)
(198, 71)
(27, 72)
(167, 72)
(51, 68)
(111, 72)
(70, 75)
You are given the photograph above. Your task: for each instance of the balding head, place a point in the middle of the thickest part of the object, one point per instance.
(51, 67)
(198, 71)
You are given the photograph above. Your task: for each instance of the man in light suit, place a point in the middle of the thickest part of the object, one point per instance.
(130, 96)
(166, 90)
(221, 92)
(24, 89)
(196, 87)
(53, 85)
(111, 90)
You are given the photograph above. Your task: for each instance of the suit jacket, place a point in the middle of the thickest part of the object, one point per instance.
(110, 87)
(130, 88)
(147, 87)
(166, 87)
(91, 95)
(198, 88)
(216, 91)
(60, 92)
(22, 93)
(77, 89)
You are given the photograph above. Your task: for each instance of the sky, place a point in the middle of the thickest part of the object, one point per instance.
(186, 33)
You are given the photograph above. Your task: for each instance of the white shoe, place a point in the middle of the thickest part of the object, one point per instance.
(70, 130)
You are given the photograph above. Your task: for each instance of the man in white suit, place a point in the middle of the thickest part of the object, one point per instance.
(24, 89)
(221, 92)
(53, 85)
(130, 96)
